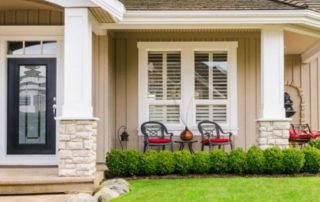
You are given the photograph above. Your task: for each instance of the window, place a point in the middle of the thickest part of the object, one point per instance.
(164, 86)
(211, 85)
(32, 48)
(183, 83)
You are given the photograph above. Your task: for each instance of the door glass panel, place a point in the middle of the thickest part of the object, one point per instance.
(32, 47)
(32, 104)
(15, 48)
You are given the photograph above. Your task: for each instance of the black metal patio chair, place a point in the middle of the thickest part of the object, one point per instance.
(156, 134)
(213, 135)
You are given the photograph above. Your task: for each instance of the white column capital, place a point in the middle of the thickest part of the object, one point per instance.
(77, 64)
(272, 72)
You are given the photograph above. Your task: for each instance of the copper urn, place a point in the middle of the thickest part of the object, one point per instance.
(186, 134)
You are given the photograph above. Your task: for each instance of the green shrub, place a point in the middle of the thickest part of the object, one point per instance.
(123, 163)
(200, 162)
(115, 161)
(183, 162)
(255, 160)
(315, 143)
(218, 161)
(165, 163)
(312, 160)
(149, 163)
(237, 161)
(293, 160)
(274, 160)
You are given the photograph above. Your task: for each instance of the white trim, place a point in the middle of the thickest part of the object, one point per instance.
(22, 31)
(302, 30)
(187, 50)
(15, 33)
(73, 3)
(96, 26)
(311, 54)
(308, 17)
(114, 7)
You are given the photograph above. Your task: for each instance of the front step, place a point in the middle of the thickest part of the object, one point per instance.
(44, 180)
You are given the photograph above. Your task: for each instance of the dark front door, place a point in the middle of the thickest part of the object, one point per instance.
(31, 106)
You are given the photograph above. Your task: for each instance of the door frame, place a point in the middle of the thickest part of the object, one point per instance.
(23, 33)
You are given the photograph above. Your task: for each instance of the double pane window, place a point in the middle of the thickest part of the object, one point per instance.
(188, 85)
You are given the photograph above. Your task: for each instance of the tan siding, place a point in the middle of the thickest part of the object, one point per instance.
(305, 76)
(248, 78)
(103, 93)
(31, 17)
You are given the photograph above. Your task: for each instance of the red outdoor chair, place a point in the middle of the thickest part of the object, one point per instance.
(301, 133)
(156, 134)
(213, 135)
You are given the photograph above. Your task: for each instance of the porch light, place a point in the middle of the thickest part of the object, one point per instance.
(124, 136)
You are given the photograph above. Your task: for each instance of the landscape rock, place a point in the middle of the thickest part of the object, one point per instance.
(106, 194)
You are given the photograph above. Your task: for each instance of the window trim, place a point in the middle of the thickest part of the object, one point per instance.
(187, 50)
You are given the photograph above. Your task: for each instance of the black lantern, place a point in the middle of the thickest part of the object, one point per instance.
(124, 136)
(288, 105)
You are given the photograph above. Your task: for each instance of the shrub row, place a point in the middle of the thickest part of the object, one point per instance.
(255, 161)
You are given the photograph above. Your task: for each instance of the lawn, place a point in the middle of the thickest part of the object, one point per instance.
(225, 189)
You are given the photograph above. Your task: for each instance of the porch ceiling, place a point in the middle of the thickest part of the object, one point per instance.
(28, 4)
(297, 43)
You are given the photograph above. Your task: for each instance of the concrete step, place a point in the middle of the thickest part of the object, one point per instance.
(44, 180)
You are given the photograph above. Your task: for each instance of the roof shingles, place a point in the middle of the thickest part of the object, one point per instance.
(214, 4)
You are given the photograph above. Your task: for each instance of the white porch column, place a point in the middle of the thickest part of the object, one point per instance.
(272, 72)
(273, 125)
(77, 127)
(77, 64)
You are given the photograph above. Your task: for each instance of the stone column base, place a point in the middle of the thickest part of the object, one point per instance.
(273, 133)
(77, 147)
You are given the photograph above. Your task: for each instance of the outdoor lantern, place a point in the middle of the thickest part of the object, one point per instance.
(124, 136)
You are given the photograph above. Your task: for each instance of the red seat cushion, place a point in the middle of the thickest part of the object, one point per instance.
(315, 135)
(298, 134)
(159, 140)
(215, 140)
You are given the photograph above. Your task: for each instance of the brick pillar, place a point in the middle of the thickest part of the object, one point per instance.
(273, 133)
(77, 147)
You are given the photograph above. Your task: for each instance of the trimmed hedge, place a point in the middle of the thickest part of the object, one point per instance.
(183, 162)
(315, 143)
(255, 161)
(312, 160)
(237, 161)
(218, 161)
(274, 160)
(293, 161)
(200, 162)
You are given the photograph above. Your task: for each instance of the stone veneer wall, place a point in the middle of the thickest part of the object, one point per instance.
(273, 133)
(77, 147)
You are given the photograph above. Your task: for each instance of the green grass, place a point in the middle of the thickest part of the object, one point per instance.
(237, 189)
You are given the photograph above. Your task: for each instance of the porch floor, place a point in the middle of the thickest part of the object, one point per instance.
(31, 180)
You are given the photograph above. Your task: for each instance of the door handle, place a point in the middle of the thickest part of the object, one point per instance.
(54, 107)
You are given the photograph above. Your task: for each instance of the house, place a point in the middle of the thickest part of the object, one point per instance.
(73, 71)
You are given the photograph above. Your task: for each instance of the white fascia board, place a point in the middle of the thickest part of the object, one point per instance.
(311, 54)
(73, 3)
(243, 17)
(114, 7)
(303, 30)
